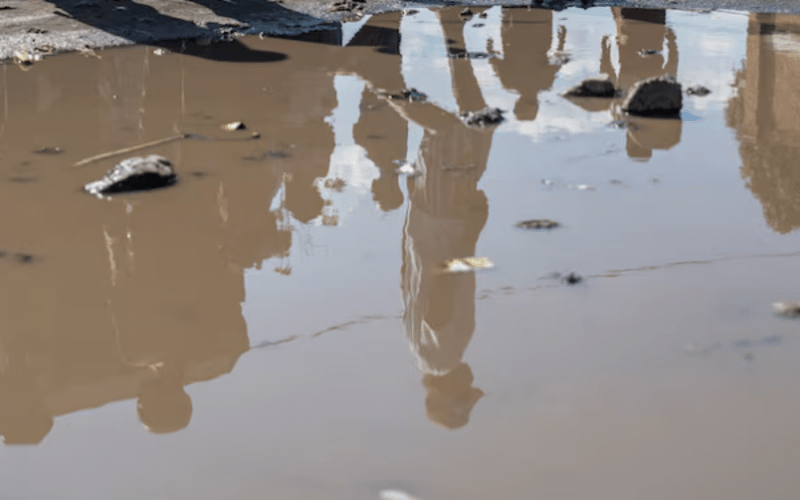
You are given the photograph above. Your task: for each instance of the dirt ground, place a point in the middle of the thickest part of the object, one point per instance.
(37, 27)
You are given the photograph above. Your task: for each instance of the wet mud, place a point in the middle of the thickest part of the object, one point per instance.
(347, 295)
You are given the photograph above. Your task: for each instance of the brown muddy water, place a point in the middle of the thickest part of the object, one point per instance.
(278, 324)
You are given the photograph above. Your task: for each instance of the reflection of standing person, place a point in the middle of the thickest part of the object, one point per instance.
(379, 130)
(525, 67)
(175, 305)
(445, 216)
(641, 34)
(446, 212)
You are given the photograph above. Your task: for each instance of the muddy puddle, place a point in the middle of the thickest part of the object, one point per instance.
(280, 322)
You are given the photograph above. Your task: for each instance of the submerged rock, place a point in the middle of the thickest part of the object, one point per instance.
(698, 90)
(596, 86)
(538, 224)
(134, 174)
(484, 118)
(659, 96)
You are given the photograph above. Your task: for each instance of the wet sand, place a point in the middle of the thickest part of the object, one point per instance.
(278, 323)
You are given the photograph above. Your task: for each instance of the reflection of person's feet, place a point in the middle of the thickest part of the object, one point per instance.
(163, 404)
(450, 397)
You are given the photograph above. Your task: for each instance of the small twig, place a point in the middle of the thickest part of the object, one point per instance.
(103, 156)
(109, 154)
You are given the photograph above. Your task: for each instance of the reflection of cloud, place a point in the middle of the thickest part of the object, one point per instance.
(425, 64)
(715, 45)
(348, 160)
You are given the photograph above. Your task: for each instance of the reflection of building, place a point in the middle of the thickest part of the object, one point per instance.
(525, 67)
(765, 113)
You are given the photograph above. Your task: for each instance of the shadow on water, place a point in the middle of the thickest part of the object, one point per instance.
(143, 24)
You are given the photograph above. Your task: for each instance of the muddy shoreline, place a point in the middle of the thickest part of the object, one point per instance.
(37, 28)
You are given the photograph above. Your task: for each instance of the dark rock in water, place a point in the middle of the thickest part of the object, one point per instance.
(596, 86)
(134, 174)
(659, 96)
(538, 224)
(698, 90)
(466, 14)
(484, 118)
(409, 95)
(572, 279)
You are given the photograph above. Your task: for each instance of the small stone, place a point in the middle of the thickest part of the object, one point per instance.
(659, 96)
(596, 86)
(698, 90)
(483, 118)
(538, 224)
(134, 174)
(789, 310)
(234, 126)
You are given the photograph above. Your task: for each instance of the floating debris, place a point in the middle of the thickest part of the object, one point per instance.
(538, 224)
(466, 264)
(787, 309)
(698, 90)
(234, 126)
(49, 151)
(160, 52)
(648, 52)
(483, 118)
(409, 169)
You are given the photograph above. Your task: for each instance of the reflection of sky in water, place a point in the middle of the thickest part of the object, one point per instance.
(712, 46)
(425, 63)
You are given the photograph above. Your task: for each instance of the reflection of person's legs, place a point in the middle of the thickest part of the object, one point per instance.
(525, 67)
(465, 86)
(163, 404)
(383, 134)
